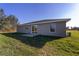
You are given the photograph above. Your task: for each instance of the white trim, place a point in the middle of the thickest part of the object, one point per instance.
(54, 27)
(46, 21)
(31, 29)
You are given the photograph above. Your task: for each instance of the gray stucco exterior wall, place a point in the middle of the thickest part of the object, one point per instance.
(24, 29)
(60, 27)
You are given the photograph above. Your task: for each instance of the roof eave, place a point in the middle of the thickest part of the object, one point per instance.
(49, 21)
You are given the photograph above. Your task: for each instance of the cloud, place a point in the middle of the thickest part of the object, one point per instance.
(74, 15)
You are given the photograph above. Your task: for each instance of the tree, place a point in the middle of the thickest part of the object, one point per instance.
(9, 23)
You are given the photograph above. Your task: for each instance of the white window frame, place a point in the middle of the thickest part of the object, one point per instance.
(54, 28)
(31, 29)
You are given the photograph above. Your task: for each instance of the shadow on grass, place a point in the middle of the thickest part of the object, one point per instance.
(37, 41)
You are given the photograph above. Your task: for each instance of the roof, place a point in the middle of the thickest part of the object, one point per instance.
(47, 21)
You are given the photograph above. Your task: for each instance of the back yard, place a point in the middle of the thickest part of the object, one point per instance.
(15, 44)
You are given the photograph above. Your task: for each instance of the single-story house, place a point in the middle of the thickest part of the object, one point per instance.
(50, 27)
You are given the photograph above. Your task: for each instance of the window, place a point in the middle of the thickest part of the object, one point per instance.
(34, 28)
(52, 28)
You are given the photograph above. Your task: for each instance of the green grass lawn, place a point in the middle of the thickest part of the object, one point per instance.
(15, 44)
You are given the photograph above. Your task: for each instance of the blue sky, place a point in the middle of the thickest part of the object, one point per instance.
(29, 12)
